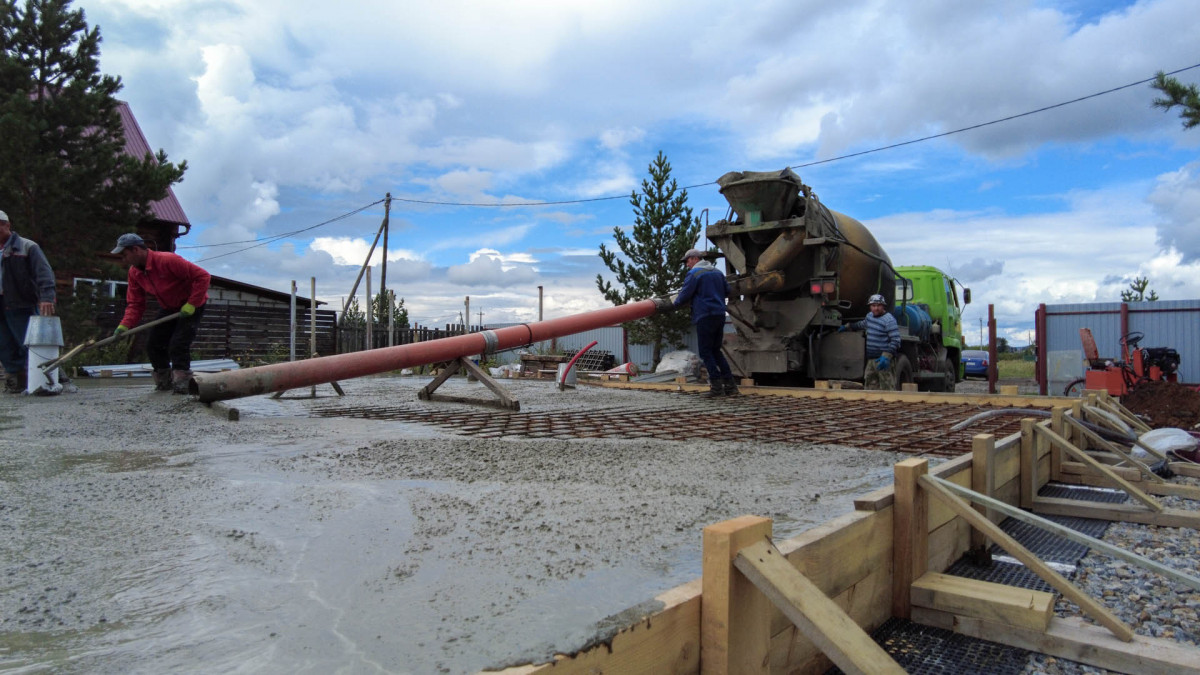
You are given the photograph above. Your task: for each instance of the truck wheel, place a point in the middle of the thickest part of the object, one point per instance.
(904, 372)
(951, 374)
(1075, 388)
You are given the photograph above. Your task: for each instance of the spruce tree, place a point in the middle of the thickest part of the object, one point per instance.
(65, 180)
(649, 266)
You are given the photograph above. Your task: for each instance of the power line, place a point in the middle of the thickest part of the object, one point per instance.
(285, 235)
(831, 159)
(985, 124)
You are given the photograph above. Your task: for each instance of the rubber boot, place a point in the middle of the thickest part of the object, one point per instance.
(729, 386)
(12, 383)
(179, 381)
(162, 379)
(715, 389)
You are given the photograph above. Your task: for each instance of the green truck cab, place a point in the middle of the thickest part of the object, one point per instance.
(927, 306)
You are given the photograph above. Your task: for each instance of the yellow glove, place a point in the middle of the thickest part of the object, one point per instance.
(120, 329)
(187, 310)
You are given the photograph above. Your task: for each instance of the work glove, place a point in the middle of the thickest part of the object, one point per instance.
(120, 329)
(187, 310)
(883, 362)
(842, 328)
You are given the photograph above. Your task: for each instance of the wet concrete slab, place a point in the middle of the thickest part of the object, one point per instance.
(141, 533)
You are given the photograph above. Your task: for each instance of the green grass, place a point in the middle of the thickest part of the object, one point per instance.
(1012, 369)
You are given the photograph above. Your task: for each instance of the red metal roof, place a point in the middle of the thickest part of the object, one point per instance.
(168, 208)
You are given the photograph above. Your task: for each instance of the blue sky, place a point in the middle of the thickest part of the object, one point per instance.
(293, 113)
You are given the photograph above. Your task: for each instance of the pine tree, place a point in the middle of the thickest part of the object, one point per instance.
(1137, 291)
(1178, 94)
(65, 180)
(663, 230)
(380, 306)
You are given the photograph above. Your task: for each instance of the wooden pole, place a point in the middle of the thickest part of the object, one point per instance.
(910, 533)
(370, 313)
(983, 479)
(735, 617)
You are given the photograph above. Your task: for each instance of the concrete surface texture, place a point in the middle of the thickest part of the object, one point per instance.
(139, 532)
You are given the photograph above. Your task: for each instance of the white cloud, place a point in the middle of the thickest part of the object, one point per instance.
(491, 269)
(291, 113)
(1176, 200)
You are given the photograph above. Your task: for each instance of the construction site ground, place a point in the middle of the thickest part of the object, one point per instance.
(141, 532)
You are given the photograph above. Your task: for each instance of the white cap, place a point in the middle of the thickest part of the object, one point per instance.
(3, 216)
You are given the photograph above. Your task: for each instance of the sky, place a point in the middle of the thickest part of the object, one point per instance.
(300, 116)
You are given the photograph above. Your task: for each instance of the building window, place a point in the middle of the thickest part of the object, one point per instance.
(103, 287)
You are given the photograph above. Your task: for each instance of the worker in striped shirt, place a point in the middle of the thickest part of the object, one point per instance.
(883, 341)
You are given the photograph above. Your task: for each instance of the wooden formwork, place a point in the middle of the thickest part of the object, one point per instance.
(809, 602)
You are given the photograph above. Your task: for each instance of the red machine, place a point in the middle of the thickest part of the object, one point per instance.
(1135, 366)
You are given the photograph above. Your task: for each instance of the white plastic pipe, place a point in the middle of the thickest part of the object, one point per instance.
(43, 338)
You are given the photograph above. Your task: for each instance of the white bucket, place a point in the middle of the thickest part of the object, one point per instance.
(570, 381)
(43, 338)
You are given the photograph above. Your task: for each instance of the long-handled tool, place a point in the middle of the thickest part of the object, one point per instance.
(49, 366)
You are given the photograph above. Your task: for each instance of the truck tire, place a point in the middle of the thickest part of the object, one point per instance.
(904, 372)
(951, 374)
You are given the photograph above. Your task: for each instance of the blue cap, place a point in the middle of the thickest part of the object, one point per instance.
(126, 240)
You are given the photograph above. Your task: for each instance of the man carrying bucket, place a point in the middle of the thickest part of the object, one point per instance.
(26, 289)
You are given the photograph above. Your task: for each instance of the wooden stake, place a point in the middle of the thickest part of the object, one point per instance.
(910, 533)
(1028, 477)
(983, 479)
(735, 627)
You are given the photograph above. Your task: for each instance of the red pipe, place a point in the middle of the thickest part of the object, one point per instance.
(295, 375)
(571, 363)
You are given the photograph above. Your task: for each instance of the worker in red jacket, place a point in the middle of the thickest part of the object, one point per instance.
(178, 286)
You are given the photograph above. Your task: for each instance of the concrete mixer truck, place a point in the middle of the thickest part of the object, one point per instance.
(798, 270)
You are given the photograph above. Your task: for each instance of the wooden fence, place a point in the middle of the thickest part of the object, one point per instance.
(354, 338)
(249, 334)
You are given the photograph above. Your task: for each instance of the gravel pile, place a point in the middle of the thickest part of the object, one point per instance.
(1153, 605)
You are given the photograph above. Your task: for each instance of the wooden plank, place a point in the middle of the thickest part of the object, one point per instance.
(892, 396)
(880, 499)
(910, 532)
(1081, 469)
(735, 634)
(818, 617)
(1186, 469)
(1095, 438)
(1077, 537)
(1122, 513)
(667, 641)
(820, 552)
(1125, 485)
(868, 602)
(985, 600)
(947, 544)
(1075, 640)
(1089, 606)
(1113, 406)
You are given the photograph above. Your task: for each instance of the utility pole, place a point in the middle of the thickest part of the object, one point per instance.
(981, 331)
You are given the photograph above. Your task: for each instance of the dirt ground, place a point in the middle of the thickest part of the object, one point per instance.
(141, 533)
(1165, 404)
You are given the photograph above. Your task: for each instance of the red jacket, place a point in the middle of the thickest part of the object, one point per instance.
(172, 281)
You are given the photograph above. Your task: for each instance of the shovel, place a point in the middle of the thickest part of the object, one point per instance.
(49, 366)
